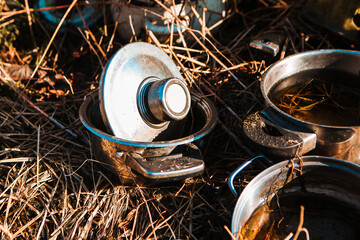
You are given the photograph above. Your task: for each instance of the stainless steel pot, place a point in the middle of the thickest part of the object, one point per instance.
(170, 156)
(332, 180)
(295, 137)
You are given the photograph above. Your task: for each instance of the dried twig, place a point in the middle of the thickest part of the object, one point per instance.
(300, 227)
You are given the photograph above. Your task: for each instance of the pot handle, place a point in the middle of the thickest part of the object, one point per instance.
(275, 140)
(183, 162)
(241, 168)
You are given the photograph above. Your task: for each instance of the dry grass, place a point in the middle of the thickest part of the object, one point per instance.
(51, 187)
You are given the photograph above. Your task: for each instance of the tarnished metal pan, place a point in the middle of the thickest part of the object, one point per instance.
(275, 132)
(144, 117)
(328, 189)
(171, 156)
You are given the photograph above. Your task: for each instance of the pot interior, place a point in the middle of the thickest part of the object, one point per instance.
(200, 120)
(326, 97)
(269, 207)
(320, 87)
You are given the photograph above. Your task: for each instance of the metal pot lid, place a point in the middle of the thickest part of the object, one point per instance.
(141, 90)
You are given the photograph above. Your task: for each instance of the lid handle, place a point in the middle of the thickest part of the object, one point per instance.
(166, 100)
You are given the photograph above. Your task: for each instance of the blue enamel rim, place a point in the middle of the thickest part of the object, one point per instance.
(88, 13)
(208, 126)
(276, 169)
(300, 55)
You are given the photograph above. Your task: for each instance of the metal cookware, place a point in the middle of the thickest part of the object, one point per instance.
(277, 133)
(141, 91)
(145, 119)
(327, 188)
(140, 15)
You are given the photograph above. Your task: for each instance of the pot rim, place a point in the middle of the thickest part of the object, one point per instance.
(275, 169)
(208, 126)
(296, 56)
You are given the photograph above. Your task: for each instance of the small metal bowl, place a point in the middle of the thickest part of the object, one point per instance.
(171, 156)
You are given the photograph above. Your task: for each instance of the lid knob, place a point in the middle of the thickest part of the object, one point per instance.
(168, 99)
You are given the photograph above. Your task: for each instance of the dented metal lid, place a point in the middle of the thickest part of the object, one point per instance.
(141, 90)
